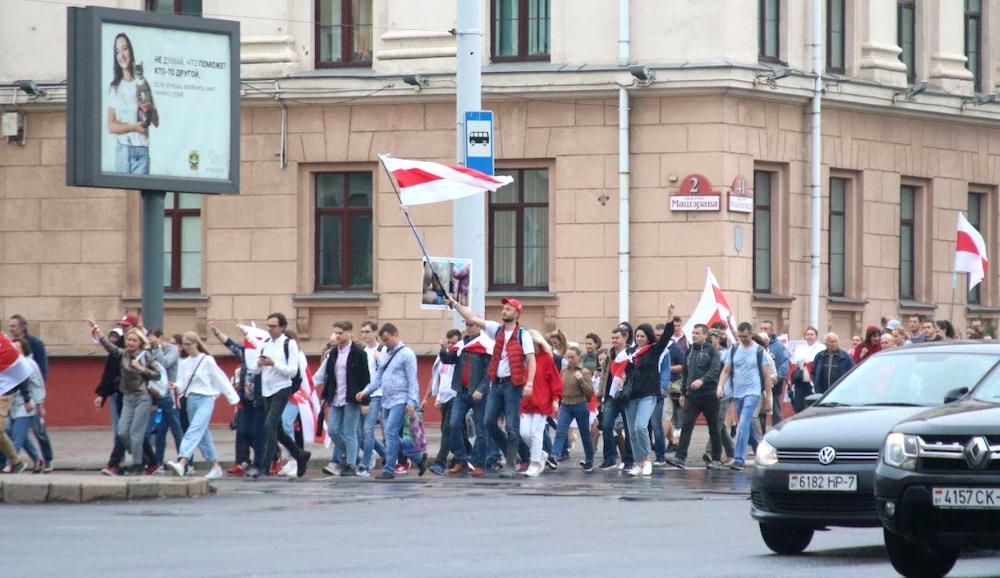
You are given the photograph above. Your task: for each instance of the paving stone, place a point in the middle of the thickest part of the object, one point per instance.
(65, 491)
(25, 490)
(142, 489)
(91, 491)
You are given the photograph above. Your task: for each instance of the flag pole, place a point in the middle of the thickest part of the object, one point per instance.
(406, 213)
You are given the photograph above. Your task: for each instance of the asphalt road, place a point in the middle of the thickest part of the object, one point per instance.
(692, 523)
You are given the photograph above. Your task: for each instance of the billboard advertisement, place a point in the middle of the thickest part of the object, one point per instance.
(154, 101)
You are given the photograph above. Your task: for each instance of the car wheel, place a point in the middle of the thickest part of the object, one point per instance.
(786, 539)
(916, 561)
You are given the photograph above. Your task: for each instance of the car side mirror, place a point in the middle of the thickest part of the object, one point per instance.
(812, 399)
(955, 394)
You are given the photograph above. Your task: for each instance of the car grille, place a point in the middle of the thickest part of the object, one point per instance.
(820, 502)
(846, 456)
(946, 453)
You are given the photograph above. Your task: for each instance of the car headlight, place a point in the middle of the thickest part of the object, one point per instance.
(900, 451)
(766, 454)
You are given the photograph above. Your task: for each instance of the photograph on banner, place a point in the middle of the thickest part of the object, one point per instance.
(165, 109)
(453, 275)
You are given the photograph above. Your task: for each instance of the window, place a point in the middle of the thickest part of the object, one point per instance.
(343, 231)
(835, 26)
(520, 30)
(182, 242)
(907, 245)
(838, 235)
(768, 20)
(763, 182)
(906, 20)
(974, 40)
(519, 232)
(977, 206)
(343, 33)
(185, 7)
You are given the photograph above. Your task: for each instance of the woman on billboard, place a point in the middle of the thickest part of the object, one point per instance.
(130, 110)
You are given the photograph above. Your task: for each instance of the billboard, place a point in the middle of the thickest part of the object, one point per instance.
(153, 101)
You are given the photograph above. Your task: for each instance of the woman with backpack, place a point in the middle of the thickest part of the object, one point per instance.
(200, 381)
(136, 369)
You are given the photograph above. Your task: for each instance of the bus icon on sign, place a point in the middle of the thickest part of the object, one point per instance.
(479, 138)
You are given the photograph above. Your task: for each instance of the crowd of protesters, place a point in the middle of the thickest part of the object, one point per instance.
(512, 400)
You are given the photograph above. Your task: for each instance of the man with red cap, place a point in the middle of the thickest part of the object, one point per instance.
(511, 372)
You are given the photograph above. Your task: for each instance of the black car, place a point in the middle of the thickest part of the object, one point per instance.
(938, 482)
(817, 469)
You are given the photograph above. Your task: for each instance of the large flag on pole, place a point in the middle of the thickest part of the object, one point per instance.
(422, 182)
(13, 367)
(712, 308)
(970, 252)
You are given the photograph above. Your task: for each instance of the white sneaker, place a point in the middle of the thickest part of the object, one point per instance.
(332, 469)
(621, 466)
(291, 468)
(176, 468)
(647, 468)
(364, 474)
(634, 471)
(533, 471)
(215, 473)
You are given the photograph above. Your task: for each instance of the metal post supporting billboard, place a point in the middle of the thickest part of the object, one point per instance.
(469, 214)
(152, 258)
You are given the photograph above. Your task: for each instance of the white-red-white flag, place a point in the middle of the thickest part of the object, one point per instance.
(423, 182)
(970, 252)
(14, 368)
(712, 308)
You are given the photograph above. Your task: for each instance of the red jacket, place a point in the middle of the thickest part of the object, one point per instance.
(546, 388)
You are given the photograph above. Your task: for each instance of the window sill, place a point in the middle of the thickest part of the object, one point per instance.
(773, 298)
(845, 304)
(535, 295)
(181, 297)
(982, 310)
(321, 296)
(911, 305)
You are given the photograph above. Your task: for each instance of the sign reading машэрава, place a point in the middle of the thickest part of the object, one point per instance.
(153, 101)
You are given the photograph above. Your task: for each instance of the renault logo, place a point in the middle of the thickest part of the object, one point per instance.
(977, 453)
(827, 455)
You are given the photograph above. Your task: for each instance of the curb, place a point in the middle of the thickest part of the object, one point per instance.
(77, 489)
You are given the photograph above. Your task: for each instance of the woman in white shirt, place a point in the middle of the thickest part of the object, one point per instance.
(200, 380)
(130, 111)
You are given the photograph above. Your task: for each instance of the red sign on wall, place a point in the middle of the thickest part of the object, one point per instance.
(695, 194)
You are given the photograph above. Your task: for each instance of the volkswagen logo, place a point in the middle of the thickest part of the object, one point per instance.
(827, 455)
(977, 453)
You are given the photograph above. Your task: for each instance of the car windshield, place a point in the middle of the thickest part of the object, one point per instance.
(989, 389)
(919, 377)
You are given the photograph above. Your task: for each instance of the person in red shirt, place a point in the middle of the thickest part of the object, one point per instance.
(542, 404)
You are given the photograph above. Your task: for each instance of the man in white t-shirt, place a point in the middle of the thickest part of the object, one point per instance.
(371, 412)
(511, 372)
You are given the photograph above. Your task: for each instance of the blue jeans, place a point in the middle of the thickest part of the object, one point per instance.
(369, 443)
(288, 416)
(343, 427)
(19, 428)
(392, 426)
(198, 435)
(42, 435)
(463, 403)
(250, 427)
(169, 421)
(112, 403)
(506, 398)
(567, 414)
(132, 159)
(745, 407)
(659, 439)
(638, 412)
(611, 411)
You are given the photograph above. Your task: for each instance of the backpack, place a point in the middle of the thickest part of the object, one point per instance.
(157, 387)
(297, 380)
(760, 364)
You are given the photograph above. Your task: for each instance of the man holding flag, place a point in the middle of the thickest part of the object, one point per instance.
(471, 359)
